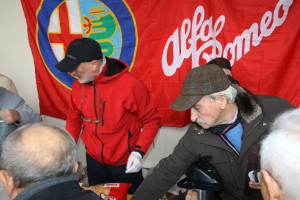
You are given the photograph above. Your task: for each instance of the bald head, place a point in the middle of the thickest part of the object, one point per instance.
(45, 145)
(38, 151)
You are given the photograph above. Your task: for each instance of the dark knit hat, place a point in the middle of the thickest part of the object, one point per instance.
(79, 50)
(200, 81)
(221, 62)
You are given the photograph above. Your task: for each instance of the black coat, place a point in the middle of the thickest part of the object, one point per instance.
(65, 190)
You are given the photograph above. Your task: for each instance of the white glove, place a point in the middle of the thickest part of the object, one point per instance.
(134, 163)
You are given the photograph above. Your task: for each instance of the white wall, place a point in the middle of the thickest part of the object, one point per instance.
(16, 62)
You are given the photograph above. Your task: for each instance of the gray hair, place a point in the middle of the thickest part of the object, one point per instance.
(230, 93)
(280, 154)
(28, 165)
(288, 120)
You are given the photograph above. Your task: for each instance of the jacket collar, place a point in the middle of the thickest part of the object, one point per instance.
(247, 104)
(252, 132)
(112, 69)
(43, 185)
(206, 137)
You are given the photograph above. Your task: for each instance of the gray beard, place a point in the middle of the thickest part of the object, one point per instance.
(82, 81)
(199, 121)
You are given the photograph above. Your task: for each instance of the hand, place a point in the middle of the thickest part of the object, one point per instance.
(254, 177)
(134, 163)
(9, 116)
(254, 185)
(191, 195)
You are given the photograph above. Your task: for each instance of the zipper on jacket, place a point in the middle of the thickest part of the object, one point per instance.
(97, 118)
(102, 148)
(128, 141)
(103, 110)
(95, 101)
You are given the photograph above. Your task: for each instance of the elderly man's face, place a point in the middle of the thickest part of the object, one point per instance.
(207, 112)
(86, 71)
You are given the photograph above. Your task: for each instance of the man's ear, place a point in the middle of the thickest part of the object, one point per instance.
(7, 181)
(95, 64)
(272, 188)
(223, 100)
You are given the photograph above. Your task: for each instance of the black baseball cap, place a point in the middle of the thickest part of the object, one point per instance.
(80, 50)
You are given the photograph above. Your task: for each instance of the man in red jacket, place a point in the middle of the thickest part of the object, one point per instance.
(112, 111)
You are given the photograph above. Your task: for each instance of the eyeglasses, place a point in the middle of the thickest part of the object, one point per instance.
(89, 120)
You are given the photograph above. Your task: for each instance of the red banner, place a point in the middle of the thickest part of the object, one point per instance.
(162, 40)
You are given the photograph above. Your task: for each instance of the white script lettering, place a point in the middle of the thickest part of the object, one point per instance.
(181, 47)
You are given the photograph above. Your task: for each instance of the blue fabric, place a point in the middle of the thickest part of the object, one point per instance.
(221, 129)
(235, 136)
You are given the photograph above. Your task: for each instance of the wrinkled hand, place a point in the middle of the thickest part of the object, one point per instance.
(9, 116)
(134, 163)
(191, 195)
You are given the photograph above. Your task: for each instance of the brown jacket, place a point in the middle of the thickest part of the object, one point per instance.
(196, 141)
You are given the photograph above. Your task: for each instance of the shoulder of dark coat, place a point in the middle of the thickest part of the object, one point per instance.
(273, 106)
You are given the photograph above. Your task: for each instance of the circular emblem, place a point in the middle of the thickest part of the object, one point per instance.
(111, 23)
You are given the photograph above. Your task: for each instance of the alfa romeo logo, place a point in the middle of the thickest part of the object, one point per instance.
(108, 22)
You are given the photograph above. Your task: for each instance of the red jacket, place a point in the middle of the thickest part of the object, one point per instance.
(123, 109)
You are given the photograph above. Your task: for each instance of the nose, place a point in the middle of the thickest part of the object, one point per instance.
(194, 115)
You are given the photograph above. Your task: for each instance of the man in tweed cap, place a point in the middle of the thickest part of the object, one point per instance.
(226, 124)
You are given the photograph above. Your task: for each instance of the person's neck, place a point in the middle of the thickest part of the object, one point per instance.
(230, 113)
(100, 67)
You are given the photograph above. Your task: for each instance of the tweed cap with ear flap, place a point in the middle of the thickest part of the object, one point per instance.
(200, 81)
